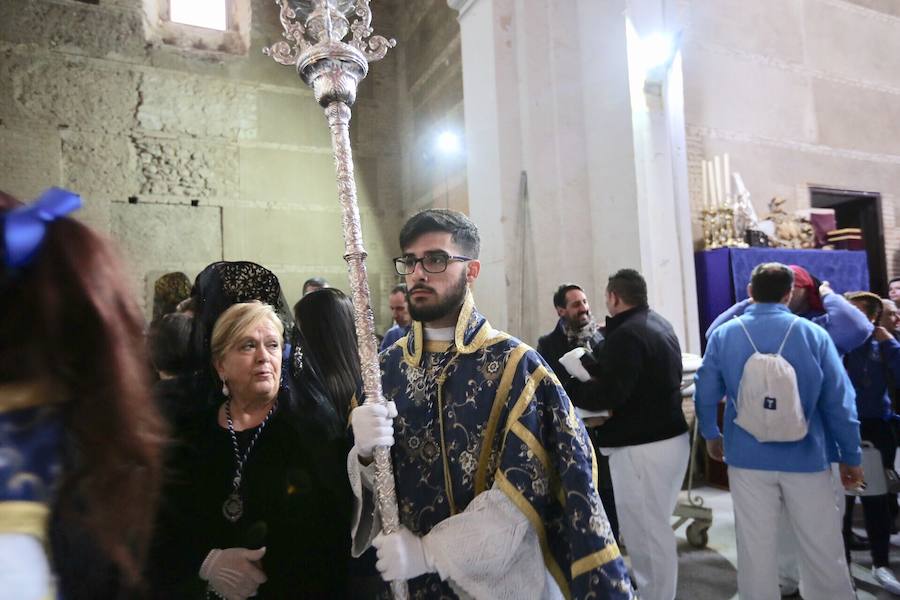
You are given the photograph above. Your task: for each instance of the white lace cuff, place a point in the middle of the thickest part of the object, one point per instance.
(491, 551)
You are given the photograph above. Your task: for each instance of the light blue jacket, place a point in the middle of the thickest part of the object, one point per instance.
(826, 393)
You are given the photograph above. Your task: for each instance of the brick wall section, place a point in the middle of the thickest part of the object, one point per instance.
(799, 94)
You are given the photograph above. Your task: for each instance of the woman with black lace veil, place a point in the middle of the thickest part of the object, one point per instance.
(257, 501)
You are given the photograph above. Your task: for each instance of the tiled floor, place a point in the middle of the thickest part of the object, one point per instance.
(709, 574)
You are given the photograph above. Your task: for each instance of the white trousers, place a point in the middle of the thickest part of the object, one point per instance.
(646, 480)
(789, 549)
(808, 499)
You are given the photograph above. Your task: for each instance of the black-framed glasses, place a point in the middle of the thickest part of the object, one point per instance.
(434, 262)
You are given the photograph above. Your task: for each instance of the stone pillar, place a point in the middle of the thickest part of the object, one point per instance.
(491, 132)
(551, 88)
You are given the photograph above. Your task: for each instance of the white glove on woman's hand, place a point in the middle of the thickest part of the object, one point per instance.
(233, 573)
(373, 425)
(571, 360)
(402, 555)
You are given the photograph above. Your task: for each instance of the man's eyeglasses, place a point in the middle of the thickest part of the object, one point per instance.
(431, 263)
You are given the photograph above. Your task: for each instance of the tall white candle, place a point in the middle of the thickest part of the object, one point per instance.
(727, 179)
(705, 185)
(720, 197)
(711, 183)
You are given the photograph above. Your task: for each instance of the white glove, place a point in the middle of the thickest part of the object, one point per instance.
(571, 360)
(402, 555)
(373, 426)
(232, 573)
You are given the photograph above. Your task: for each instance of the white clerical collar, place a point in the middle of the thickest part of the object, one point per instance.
(438, 334)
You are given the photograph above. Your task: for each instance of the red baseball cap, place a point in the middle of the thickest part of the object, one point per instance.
(803, 279)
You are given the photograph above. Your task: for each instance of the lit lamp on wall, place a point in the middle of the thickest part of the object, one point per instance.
(448, 146)
(314, 31)
(654, 54)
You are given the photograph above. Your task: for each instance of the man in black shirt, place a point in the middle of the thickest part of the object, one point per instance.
(637, 376)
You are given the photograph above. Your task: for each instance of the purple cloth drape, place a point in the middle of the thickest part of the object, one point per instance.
(723, 274)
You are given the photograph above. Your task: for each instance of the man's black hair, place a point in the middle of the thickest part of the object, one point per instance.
(893, 279)
(462, 230)
(559, 298)
(629, 286)
(769, 282)
(316, 281)
(398, 289)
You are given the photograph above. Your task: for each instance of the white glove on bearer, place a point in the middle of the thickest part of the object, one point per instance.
(373, 425)
(402, 555)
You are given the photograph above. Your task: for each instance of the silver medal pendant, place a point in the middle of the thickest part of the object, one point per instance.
(233, 507)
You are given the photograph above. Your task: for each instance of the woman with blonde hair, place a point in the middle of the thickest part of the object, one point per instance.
(259, 505)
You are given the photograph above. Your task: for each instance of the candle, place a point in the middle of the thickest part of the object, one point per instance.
(718, 179)
(711, 183)
(705, 185)
(727, 179)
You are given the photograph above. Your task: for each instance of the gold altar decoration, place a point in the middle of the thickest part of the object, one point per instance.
(791, 231)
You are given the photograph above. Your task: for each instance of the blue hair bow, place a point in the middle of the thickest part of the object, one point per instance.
(24, 227)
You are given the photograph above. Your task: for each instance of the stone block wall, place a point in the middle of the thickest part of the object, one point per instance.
(800, 93)
(90, 102)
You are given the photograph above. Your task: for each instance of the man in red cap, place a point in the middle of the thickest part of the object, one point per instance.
(806, 297)
(815, 300)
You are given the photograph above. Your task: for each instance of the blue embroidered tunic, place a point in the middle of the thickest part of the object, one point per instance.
(485, 411)
(31, 434)
(30, 446)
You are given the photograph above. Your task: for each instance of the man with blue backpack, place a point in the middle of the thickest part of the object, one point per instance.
(787, 394)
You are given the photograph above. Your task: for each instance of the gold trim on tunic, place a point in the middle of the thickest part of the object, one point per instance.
(415, 358)
(540, 452)
(595, 560)
(19, 516)
(19, 396)
(465, 315)
(500, 399)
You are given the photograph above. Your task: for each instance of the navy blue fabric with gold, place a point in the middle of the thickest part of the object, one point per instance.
(485, 411)
(31, 436)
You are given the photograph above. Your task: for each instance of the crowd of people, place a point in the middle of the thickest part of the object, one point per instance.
(226, 450)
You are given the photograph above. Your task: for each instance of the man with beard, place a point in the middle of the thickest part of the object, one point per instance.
(576, 327)
(493, 470)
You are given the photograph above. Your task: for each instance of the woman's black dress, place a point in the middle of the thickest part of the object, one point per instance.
(296, 499)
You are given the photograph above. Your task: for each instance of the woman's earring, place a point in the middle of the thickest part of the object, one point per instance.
(225, 391)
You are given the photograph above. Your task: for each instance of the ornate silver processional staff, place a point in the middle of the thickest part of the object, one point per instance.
(314, 30)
